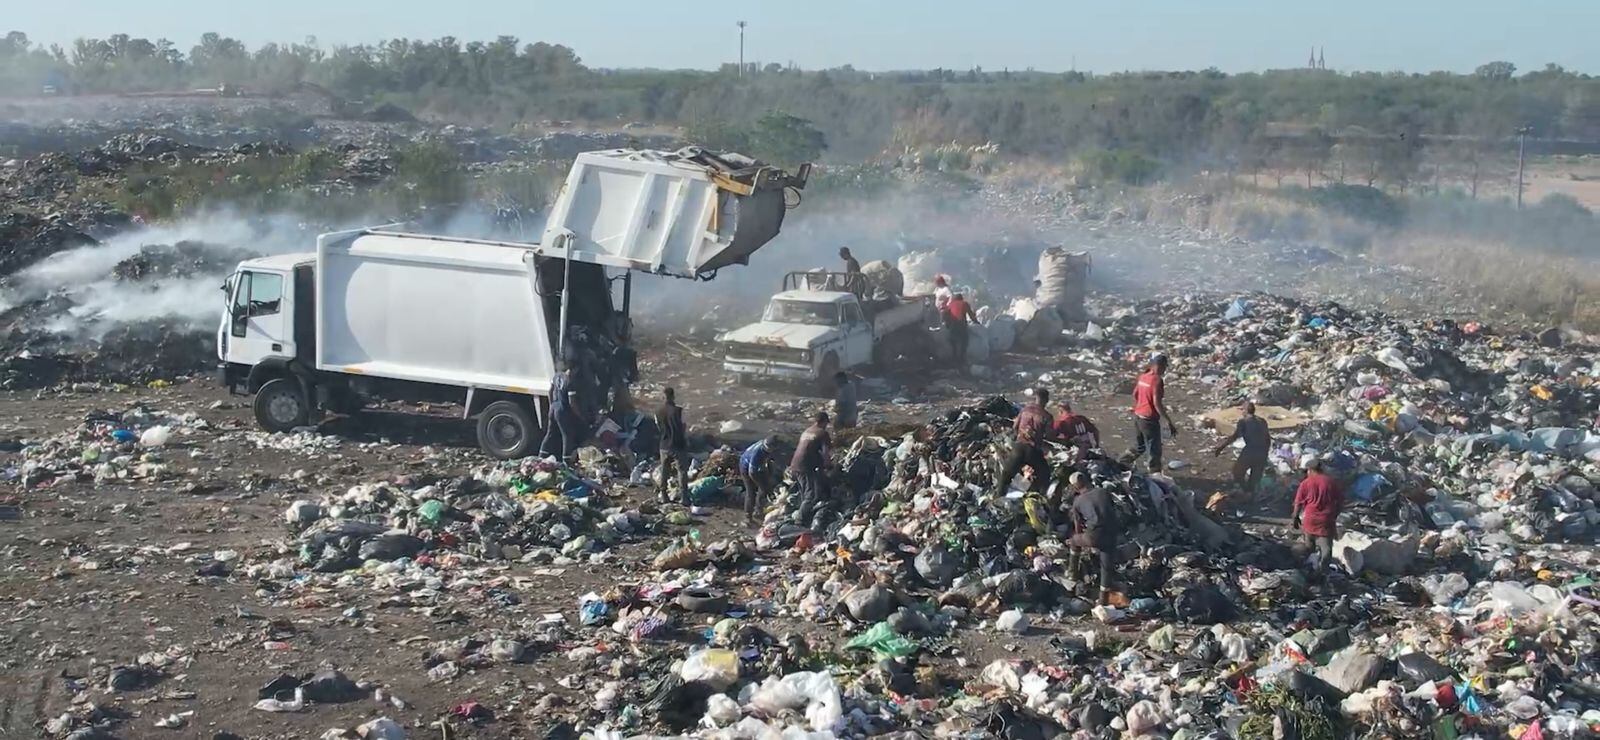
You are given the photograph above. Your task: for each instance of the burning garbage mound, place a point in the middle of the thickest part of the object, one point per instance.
(186, 259)
(145, 318)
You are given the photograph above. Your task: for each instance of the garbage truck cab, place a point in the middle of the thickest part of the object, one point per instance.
(380, 314)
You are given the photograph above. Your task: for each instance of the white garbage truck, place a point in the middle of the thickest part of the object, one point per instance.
(383, 314)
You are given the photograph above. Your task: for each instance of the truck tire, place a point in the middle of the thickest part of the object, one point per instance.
(281, 406)
(506, 431)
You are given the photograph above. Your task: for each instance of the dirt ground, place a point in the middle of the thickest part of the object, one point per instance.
(97, 575)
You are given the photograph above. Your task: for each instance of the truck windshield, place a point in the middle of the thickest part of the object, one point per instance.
(801, 312)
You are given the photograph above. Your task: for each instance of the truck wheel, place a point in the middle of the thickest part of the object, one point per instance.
(280, 406)
(506, 430)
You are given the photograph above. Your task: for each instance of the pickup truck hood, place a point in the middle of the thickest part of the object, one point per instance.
(796, 336)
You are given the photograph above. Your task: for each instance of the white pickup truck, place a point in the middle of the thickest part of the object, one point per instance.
(824, 322)
(378, 314)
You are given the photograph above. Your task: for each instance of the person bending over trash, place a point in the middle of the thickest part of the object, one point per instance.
(1032, 427)
(1316, 514)
(812, 455)
(1094, 530)
(755, 466)
(1075, 429)
(1252, 460)
(1149, 408)
(865, 472)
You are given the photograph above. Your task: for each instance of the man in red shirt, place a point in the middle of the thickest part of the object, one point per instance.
(1076, 429)
(1316, 513)
(1032, 427)
(956, 315)
(1149, 408)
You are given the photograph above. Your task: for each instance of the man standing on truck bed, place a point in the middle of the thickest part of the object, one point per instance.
(852, 266)
(1149, 408)
(565, 428)
(674, 447)
(810, 467)
(1031, 427)
(957, 313)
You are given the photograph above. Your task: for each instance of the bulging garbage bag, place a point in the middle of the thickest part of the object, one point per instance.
(936, 565)
(816, 693)
(871, 604)
(719, 668)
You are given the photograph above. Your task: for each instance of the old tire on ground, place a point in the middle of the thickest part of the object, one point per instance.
(280, 405)
(506, 430)
(703, 601)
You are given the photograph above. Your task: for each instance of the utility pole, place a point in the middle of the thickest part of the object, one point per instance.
(741, 25)
(1522, 148)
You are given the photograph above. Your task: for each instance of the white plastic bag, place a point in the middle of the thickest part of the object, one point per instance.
(156, 436)
(719, 668)
(721, 711)
(818, 693)
(1144, 717)
(298, 703)
(382, 728)
(1013, 621)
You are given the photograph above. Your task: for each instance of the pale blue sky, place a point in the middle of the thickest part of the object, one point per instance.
(1097, 35)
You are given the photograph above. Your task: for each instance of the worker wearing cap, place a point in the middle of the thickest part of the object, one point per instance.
(1317, 503)
(1252, 460)
(1094, 530)
(1032, 428)
(755, 466)
(1149, 408)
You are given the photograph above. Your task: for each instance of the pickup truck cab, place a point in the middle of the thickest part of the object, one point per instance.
(819, 325)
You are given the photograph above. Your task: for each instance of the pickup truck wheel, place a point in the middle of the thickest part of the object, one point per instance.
(280, 406)
(506, 430)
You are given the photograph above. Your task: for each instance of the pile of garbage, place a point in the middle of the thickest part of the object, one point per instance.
(107, 447)
(1458, 605)
(1212, 630)
(538, 512)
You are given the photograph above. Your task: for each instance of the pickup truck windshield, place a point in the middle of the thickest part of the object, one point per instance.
(801, 312)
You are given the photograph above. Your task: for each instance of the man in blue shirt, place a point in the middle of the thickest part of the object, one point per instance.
(564, 433)
(755, 465)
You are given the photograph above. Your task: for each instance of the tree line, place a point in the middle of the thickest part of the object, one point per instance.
(1361, 127)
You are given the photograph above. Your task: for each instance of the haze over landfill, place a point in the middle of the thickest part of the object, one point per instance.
(342, 377)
